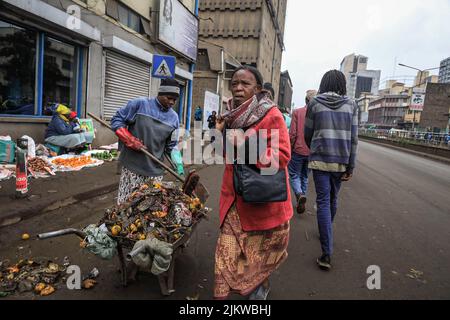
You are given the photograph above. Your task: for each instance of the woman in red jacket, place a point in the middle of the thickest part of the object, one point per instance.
(254, 237)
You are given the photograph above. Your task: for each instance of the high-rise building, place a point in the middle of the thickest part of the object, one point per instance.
(444, 71)
(353, 63)
(359, 79)
(250, 31)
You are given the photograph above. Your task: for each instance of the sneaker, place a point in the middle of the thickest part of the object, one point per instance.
(260, 293)
(324, 262)
(301, 204)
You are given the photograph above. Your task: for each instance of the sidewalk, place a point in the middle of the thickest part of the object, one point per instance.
(51, 193)
(64, 189)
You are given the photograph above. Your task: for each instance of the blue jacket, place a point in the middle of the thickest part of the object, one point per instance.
(198, 114)
(58, 127)
(147, 120)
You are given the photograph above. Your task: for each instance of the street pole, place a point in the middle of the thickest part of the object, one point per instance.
(414, 111)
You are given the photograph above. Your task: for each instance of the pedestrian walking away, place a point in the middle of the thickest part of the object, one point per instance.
(149, 123)
(253, 238)
(331, 133)
(298, 166)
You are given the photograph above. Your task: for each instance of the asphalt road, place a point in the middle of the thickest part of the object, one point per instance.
(394, 214)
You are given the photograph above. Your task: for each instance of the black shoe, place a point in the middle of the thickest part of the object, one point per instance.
(324, 262)
(301, 204)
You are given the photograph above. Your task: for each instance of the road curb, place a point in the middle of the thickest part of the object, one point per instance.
(48, 206)
(417, 153)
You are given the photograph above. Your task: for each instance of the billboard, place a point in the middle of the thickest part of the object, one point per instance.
(178, 28)
(417, 102)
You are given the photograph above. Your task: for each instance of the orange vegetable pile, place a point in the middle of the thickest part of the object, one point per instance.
(74, 162)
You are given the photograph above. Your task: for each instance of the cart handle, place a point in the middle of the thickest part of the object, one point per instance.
(60, 233)
(134, 253)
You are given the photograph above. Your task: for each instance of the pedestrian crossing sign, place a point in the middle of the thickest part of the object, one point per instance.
(163, 67)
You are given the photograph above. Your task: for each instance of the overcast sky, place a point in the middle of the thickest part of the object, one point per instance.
(320, 33)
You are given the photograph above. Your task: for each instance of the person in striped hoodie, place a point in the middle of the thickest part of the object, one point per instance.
(331, 133)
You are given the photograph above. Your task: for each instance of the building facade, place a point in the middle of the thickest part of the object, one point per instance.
(444, 71)
(353, 63)
(251, 31)
(96, 63)
(359, 79)
(286, 92)
(213, 74)
(436, 111)
(388, 110)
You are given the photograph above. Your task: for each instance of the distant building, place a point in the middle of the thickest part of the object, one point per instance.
(363, 106)
(436, 111)
(389, 110)
(286, 91)
(359, 79)
(353, 63)
(444, 71)
(363, 81)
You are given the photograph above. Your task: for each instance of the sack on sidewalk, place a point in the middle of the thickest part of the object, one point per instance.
(7, 151)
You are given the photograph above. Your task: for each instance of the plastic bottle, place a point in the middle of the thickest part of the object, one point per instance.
(21, 172)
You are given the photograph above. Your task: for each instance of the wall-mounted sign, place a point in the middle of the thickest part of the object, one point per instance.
(178, 28)
(417, 102)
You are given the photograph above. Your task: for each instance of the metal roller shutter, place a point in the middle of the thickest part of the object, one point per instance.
(125, 79)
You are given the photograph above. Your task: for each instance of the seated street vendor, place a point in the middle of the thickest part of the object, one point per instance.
(65, 131)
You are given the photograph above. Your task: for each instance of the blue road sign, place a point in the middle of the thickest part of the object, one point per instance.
(163, 66)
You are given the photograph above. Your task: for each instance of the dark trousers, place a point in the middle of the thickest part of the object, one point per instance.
(327, 186)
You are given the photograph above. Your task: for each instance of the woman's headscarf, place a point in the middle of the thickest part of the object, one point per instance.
(65, 113)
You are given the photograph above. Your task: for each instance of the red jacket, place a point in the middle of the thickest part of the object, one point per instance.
(297, 132)
(262, 216)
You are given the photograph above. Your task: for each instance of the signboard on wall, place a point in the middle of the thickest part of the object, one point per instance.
(178, 28)
(212, 103)
(417, 102)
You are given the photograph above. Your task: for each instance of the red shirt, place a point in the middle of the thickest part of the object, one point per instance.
(260, 217)
(297, 132)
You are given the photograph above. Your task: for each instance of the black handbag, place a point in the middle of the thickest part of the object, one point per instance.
(256, 188)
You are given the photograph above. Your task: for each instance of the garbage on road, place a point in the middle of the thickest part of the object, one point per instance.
(40, 277)
(157, 210)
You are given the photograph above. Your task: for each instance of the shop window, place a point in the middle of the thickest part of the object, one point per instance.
(17, 70)
(59, 82)
(67, 65)
(37, 71)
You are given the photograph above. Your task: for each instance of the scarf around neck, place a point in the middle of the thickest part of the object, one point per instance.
(248, 113)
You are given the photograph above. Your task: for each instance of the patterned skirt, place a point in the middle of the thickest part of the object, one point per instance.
(244, 260)
(130, 182)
